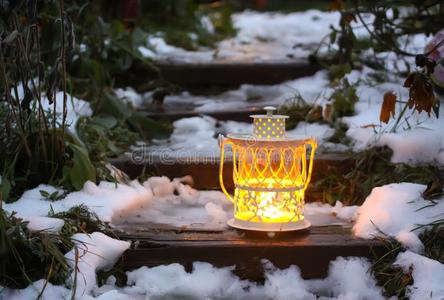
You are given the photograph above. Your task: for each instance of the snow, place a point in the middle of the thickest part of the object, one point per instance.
(346, 213)
(158, 200)
(397, 210)
(261, 37)
(172, 202)
(394, 210)
(75, 107)
(96, 252)
(195, 138)
(421, 144)
(51, 292)
(310, 88)
(172, 281)
(417, 139)
(103, 199)
(428, 276)
(153, 201)
(348, 279)
(130, 95)
(45, 224)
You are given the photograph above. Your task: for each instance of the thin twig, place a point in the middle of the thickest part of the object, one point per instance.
(76, 263)
(63, 60)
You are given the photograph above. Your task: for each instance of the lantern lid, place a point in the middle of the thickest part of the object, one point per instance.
(269, 130)
(269, 126)
(270, 110)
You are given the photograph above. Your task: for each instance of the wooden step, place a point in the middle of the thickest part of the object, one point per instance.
(205, 170)
(311, 250)
(226, 73)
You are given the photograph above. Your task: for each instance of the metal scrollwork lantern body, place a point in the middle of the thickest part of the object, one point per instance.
(271, 172)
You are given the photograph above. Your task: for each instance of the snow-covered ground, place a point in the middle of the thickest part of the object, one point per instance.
(311, 88)
(415, 139)
(157, 200)
(348, 279)
(394, 210)
(264, 37)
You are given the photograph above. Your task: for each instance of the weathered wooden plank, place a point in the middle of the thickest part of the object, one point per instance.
(311, 250)
(235, 73)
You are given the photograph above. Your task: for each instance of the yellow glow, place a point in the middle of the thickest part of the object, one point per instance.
(270, 178)
(269, 206)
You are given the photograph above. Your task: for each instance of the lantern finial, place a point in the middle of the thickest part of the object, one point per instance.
(270, 110)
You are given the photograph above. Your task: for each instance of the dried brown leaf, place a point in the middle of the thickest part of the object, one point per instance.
(370, 126)
(409, 80)
(336, 5)
(434, 190)
(388, 107)
(421, 95)
(328, 113)
(347, 18)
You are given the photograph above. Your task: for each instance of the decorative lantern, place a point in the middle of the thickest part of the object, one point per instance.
(270, 173)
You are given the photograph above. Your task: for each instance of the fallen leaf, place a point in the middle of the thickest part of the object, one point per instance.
(347, 18)
(388, 107)
(434, 190)
(421, 95)
(328, 113)
(370, 126)
(336, 5)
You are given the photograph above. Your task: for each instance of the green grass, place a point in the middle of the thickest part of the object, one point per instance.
(371, 168)
(27, 256)
(392, 278)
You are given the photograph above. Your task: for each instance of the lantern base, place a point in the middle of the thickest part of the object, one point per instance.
(270, 227)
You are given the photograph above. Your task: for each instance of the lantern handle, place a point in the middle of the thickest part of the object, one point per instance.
(222, 142)
(313, 145)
